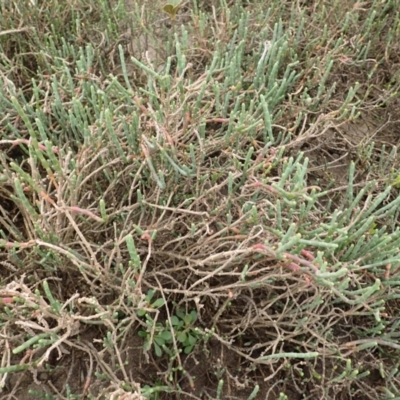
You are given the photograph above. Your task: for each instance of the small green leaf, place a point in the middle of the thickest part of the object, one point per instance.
(141, 313)
(158, 303)
(142, 334)
(192, 340)
(159, 340)
(157, 350)
(166, 335)
(150, 295)
(188, 349)
(182, 337)
(396, 182)
(372, 230)
(172, 7)
(193, 314)
(175, 320)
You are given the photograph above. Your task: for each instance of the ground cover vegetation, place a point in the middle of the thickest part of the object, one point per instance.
(199, 200)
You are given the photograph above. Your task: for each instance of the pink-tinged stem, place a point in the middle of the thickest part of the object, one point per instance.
(85, 212)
